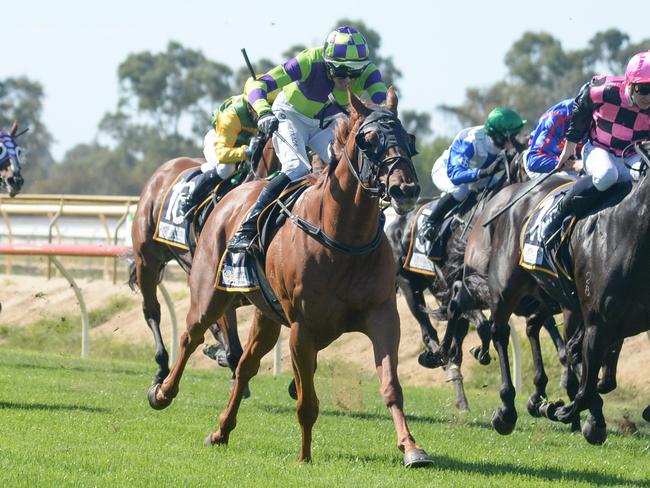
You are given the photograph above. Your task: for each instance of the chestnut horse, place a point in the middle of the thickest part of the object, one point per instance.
(151, 257)
(610, 256)
(326, 284)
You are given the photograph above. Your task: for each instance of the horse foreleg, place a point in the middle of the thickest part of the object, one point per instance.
(551, 327)
(607, 381)
(147, 276)
(303, 359)
(540, 380)
(263, 336)
(595, 427)
(505, 417)
(207, 304)
(415, 300)
(484, 331)
(455, 362)
(384, 333)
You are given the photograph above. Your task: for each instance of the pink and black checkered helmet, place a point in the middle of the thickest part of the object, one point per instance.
(346, 46)
(638, 69)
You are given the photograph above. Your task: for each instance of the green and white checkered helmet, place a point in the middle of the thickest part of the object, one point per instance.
(346, 46)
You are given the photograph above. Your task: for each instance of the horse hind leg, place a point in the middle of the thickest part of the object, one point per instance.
(263, 336)
(595, 428)
(148, 272)
(229, 350)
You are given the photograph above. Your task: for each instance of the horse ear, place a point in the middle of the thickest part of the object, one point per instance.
(14, 129)
(391, 100)
(357, 105)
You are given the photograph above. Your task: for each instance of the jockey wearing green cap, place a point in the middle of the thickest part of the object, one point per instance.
(471, 160)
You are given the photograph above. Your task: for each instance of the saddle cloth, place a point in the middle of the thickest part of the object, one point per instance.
(545, 253)
(417, 258)
(240, 272)
(170, 224)
(536, 241)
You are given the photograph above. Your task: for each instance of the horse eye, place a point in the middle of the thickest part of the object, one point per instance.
(19, 155)
(3, 151)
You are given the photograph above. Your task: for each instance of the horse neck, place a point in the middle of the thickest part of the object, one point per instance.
(350, 215)
(635, 208)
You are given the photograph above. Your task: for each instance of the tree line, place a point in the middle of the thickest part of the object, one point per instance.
(166, 101)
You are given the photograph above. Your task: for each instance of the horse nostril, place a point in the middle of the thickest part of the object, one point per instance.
(395, 192)
(16, 181)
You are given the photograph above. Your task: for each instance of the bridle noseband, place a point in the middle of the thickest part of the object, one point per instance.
(390, 132)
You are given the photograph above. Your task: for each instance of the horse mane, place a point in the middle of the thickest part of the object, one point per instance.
(341, 134)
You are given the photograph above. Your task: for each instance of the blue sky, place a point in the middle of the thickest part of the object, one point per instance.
(74, 47)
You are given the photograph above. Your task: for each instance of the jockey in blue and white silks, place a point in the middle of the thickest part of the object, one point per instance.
(470, 160)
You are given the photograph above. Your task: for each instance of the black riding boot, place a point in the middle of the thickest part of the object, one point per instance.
(203, 184)
(579, 199)
(444, 205)
(242, 239)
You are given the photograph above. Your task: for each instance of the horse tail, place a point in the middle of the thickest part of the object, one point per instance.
(133, 278)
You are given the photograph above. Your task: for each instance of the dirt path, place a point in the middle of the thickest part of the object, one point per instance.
(25, 299)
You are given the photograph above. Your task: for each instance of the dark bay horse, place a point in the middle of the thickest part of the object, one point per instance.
(151, 257)
(610, 249)
(413, 286)
(324, 290)
(11, 154)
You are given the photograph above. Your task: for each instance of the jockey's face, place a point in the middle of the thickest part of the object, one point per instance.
(342, 83)
(641, 95)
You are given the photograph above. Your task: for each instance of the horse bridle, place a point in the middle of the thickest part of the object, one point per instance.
(12, 155)
(391, 133)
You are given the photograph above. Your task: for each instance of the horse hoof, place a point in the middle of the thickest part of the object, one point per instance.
(646, 414)
(605, 387)
(549, 409)
(430, 360)
(595, 434)
(534, 404)
(153, 401)
(502, 425)
(417, 458)
(293, 390)
(482, 357)
(566, 413)
(207, 442)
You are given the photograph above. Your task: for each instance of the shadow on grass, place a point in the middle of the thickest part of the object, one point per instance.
(282, 410)
(51, 407)
(81, 369)
(547, 474)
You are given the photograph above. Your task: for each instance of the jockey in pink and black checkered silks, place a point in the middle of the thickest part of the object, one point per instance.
(612, 112)
(314, 93)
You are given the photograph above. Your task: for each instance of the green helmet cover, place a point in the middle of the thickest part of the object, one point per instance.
(503, 122)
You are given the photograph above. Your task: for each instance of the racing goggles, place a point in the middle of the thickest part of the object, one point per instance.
(347, 70)
(642, 89)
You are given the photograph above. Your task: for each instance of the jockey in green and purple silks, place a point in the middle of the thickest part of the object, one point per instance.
(314, 92)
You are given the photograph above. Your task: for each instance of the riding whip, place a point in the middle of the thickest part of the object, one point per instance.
(512, 203)
(255, 158)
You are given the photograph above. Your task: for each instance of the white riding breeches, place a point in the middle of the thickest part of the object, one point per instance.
(459, 192)
(606, 168)
(300, 131)
(223, 170)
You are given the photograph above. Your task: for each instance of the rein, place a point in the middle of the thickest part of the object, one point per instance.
(391, 134)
